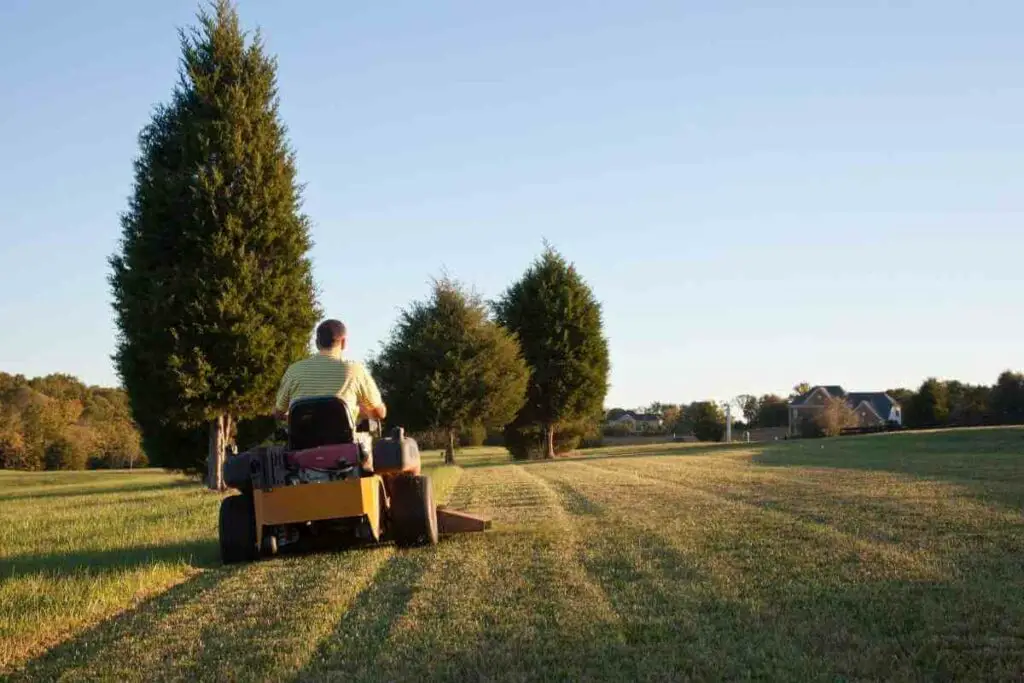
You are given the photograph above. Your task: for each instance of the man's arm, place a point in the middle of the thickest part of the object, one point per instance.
(284, 394)
(370, 400)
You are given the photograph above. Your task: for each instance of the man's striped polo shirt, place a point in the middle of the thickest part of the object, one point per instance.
(326, 375)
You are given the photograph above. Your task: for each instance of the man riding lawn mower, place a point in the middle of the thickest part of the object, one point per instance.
(331, 478)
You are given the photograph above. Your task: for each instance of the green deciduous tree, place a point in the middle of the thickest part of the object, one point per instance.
(772, 411)
(800, 389)
(448, 366)
(212, 286)
(1008, 398)
(706, 420)
(670, 414)
(969, 404)
(65, 454)
(747, 403)
(929, 407)
(558, 322)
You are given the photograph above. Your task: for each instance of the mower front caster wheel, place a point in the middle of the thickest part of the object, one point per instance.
(268, 546)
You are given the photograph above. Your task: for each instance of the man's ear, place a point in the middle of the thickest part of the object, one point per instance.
(344, 342)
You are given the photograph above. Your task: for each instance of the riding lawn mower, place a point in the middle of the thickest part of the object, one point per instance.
(331, 484)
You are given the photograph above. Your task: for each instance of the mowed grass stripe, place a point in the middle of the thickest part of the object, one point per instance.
(503, 605)
(941, 519)
(864, 618)
(679, 622)
(816, 547)
(266, 618)
(66, 564)
(251, 622)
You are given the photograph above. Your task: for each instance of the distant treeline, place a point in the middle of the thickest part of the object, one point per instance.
(58, 423)
(935, 403)
(950, 403)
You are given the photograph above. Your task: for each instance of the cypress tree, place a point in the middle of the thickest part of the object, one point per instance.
(558, 322)
(213, 290)
(449, 367)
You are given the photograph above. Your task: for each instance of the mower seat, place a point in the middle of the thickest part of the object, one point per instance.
(319, 421)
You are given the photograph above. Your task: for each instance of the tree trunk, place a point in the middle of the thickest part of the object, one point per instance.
(220, 438)
(549, 442)
(449, 452)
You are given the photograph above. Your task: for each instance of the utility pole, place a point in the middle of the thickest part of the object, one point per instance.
(728, 422)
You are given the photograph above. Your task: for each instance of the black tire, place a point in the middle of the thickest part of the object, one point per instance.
(237, 530)
(413, 513)
(268, 546)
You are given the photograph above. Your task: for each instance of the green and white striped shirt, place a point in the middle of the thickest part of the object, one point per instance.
(326, 375)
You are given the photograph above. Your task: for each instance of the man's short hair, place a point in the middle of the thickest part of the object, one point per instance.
(329, 333)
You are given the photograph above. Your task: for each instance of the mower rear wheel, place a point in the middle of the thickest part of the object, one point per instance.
(413, 513)
(237, 530)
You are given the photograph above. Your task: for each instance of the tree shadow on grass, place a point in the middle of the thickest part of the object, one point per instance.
(79, 651)
(675, 621)
(197, 553)
(359, 637)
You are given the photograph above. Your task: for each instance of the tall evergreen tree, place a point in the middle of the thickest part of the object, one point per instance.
(558, 322)
(213, 290)
(449, 367)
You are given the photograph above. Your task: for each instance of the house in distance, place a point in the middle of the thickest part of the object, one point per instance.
(633, 422)
(873, 408)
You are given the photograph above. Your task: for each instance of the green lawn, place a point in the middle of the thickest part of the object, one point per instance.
(892, 557)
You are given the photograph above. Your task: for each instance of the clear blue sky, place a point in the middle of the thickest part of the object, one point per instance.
(759, 196)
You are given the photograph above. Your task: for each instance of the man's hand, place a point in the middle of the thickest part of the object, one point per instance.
(374, 412)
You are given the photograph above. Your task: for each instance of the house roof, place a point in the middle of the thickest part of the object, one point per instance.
(882, 402)
(833, 390)
(879, 400)
(637, 417)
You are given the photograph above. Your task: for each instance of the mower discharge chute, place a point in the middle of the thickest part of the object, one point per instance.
(330, 481)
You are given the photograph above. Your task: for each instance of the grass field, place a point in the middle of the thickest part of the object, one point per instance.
(892, 557)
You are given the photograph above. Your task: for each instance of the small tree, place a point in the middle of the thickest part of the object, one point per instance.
(670, 415)
(213, 291)
(65, 454)
(800, 389)
(748, 404)
(835, 416)
(12, 440)
(707, 420)
(772, 411)
(558, 322)
(448, 367)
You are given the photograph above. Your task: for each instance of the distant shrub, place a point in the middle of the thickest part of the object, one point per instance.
(473, 436)
(527, 442)
(65, 454)
(706, 420)
(430, 440)
(834, 417)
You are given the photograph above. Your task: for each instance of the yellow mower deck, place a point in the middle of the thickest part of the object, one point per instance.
(354, 497)
(347, 498)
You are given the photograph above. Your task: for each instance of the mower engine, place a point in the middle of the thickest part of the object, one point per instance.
(309, 475)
